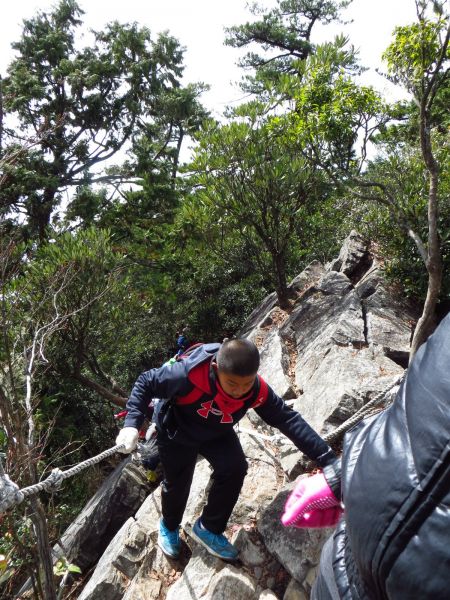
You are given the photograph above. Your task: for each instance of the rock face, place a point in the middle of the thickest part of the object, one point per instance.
(345, 339)
(121, 494)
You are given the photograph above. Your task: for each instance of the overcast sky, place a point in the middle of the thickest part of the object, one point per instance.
(199, 25)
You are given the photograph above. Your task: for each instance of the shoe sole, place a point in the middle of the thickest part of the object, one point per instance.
(165, 551)
(210, 550)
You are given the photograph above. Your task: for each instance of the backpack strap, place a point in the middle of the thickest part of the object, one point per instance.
(199, 378)
(263, 393)
(188, 351)
(194, 395)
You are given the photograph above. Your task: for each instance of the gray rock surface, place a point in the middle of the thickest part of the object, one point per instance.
(273, 355)
(354, 257)
(296, 549)
(295, 591)
(258, 314)
(231, 582)
(196, 578)
(307, 277)
(120, 495)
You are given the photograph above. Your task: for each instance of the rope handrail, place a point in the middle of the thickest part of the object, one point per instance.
(10, 494)
(363, 412)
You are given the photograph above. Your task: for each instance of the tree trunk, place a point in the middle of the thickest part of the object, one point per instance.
(40, 213)
(426, 323)
(281, 283)
(44, 550)
(177, 157)
(102, 391)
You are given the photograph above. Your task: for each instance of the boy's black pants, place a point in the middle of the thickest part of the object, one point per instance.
(227, 459)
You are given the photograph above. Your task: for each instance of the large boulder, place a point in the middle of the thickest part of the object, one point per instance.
(354, 257)
(122, 560)
(274, 355)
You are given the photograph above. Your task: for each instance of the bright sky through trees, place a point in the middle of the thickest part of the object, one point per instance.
(199, 24)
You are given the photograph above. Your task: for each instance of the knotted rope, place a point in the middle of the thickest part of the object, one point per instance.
(366, 410)
(10, 494)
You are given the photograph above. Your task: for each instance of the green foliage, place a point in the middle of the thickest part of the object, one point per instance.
(79, 107)
(331, 112)
(62, 567)
(415, 166)
(403, 171)
(215, 298)
(251, 175)
(416, 52)
(284, 35)
(16, 550)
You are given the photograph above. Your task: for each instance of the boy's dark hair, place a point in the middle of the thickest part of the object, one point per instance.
(238, 357)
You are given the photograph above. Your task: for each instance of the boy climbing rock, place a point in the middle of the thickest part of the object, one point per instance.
(203, 396)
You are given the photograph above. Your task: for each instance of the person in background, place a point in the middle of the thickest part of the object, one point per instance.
(393, 541)
(182, 341)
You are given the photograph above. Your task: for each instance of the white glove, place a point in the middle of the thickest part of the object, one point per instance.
(129, 437)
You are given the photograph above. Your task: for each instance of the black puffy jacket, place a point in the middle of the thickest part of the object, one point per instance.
(394, 542)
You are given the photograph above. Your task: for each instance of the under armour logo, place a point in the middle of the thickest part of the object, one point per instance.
(207, 407)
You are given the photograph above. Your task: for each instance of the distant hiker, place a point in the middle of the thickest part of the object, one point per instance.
(206, 394)
(393, 542)
(182, 341)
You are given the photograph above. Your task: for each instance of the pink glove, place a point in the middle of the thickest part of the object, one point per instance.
(312, 504)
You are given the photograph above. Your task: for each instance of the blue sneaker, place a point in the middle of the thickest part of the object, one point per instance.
(216, 543)
(169, 541)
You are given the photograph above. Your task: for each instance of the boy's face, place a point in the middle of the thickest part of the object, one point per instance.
(235, 386)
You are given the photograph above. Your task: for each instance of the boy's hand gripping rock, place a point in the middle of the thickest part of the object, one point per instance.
(314, 501)
(129, 437)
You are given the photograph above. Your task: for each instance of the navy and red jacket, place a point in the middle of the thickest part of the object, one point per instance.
(202, 411)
